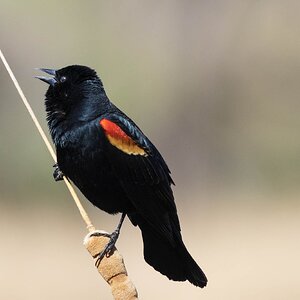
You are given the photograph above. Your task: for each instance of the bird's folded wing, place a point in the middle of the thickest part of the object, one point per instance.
(142, 173)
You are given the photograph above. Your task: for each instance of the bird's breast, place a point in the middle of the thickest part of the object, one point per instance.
(85, 162)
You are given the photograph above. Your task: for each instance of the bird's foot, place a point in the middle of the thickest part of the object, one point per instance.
(57, 174)
(109, 248)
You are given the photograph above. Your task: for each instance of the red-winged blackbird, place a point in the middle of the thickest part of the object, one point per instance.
(116, 167)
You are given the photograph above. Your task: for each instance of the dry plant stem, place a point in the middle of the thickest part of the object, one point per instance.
(82, 211)
(112, 269)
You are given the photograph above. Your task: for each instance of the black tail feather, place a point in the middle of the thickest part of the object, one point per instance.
(174, 261)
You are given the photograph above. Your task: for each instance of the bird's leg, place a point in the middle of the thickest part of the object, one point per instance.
(57, 174)
(113, 239)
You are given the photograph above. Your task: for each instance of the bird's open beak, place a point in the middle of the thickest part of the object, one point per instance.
(50, 80)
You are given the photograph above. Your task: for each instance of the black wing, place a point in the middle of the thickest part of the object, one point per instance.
(142, 173)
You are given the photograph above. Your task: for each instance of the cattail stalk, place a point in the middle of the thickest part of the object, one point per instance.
(111, 268)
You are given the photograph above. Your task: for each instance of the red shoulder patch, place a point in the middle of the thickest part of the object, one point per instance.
(118, 138)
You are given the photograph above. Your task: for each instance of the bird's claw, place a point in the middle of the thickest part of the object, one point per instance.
(109, 248)
(57, 174)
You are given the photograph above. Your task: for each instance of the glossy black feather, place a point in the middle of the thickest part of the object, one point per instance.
(115, 181)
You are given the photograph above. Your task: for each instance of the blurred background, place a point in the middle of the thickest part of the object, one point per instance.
(215, 85)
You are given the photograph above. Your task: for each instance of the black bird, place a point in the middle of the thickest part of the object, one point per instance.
(116, 167)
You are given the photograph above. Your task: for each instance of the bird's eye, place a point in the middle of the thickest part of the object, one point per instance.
(63, 79)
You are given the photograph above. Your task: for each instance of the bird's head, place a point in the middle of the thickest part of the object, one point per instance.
(75, 93)
(66, 80)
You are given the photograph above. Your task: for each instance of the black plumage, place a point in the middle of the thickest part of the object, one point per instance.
(116, 167)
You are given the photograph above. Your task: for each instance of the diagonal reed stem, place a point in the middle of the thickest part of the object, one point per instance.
(82, 211)
(112, 269)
